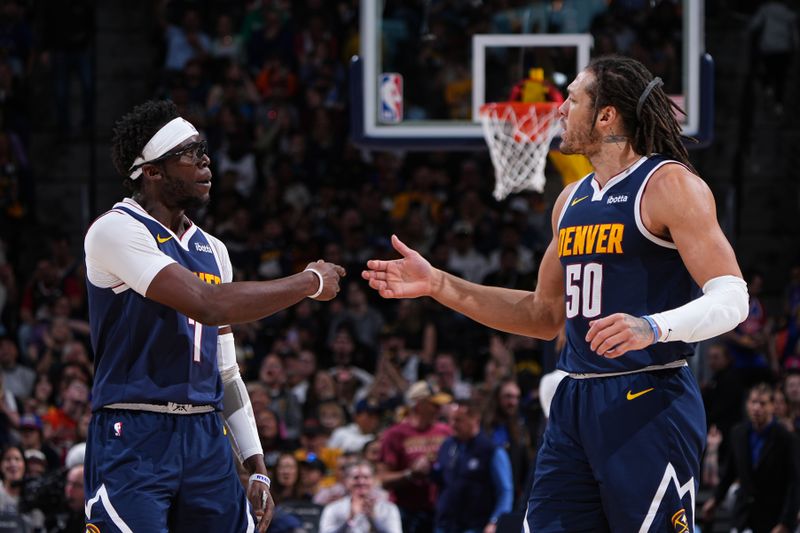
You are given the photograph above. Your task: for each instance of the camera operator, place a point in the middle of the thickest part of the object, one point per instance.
(70, 516)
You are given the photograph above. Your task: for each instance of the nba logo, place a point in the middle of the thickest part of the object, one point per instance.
(391, 92)
(117, 429)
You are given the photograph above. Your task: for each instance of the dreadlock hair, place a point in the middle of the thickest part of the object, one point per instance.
(620, 82)
(133, 131)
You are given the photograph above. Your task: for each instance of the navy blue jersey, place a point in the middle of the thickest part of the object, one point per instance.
(613, 264)
(146, 352)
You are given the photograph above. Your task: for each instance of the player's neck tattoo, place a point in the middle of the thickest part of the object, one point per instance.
(614, 139)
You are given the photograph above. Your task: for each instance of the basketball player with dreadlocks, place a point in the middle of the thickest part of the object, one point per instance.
(635, 240)
(160, 304)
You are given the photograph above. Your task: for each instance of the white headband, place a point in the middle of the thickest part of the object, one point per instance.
(169, 136)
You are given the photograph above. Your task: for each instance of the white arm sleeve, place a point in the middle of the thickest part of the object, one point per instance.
(724, 305)
(121, 253)
(237, 410)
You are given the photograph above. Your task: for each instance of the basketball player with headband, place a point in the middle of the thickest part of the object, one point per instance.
(161, 301)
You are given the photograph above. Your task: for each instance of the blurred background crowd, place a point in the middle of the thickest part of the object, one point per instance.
(396, 404)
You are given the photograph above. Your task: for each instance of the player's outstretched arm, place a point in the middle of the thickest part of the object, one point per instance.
(534, 314)
(679, 206)
(244, 301)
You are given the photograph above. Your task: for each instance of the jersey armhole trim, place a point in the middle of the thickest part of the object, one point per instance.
(637, 211)
(569, 198)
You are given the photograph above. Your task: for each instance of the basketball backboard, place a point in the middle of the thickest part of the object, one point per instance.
(426, 66)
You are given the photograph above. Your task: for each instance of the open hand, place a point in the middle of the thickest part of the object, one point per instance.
(409, 277)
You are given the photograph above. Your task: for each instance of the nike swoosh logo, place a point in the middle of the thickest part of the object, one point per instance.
(162, 240)
(576, 200)
(632, 396)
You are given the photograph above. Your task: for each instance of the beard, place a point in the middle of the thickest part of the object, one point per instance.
(180, 194)
(582, 140)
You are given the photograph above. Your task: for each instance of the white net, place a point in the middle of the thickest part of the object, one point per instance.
(519, 137)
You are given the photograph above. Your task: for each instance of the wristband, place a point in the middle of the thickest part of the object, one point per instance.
(321, 282)
(653, 326)
(261, 478)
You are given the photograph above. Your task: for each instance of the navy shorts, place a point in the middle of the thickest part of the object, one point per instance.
(621, 454)
(152, 472)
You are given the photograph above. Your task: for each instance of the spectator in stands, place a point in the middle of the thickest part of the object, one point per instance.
(464, 258)
(474, 475)
(367, 322)
(323, 388)
(41, 290)
(61, 423)
(17, 378)
(271, 435)
(286, 482)
(506, 272)
(372, 452)
(510, 238)
(361, 511)
(414, 325)
(352, 437)
(48, 353)
(338, 489)
(723, 393)
(348, 362)
(300, 368)
(9, 415)
(273, 376)
(505, 426)
(408, 450)
(782, 409)
(183, 42)
(69, 271)
(314, 443)
(791, 387)
(447, 377)
(12, 470)
(32, 438)
(399, 363)
(273, 37)
(331, 415)
(227, 44)
(765, 458)
(79, 326)
(312, 470)
(43, 396)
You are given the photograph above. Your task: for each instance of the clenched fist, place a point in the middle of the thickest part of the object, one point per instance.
(328, 276)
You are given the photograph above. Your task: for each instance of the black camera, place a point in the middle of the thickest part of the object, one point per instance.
(44, 492)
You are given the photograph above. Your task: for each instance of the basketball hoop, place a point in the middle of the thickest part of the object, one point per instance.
(519, 136)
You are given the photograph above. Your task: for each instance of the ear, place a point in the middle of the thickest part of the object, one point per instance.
(152, 171)
(607, 119)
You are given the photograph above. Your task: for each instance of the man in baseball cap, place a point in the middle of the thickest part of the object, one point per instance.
(408, 450)
(423, 390)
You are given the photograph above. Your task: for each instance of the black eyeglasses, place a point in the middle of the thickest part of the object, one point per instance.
(191, 154)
